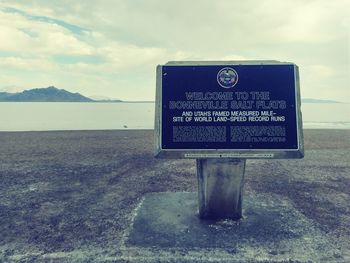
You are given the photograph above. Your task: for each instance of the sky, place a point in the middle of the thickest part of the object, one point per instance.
(110, 48)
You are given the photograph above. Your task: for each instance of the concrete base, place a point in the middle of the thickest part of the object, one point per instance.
(167, 228)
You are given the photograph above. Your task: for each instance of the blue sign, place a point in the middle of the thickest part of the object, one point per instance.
(237, 107)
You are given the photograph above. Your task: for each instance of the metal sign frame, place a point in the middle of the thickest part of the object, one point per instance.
(227, 153)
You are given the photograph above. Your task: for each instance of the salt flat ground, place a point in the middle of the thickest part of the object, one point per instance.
(69, 196)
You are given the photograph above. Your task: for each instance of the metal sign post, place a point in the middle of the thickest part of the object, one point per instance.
(220, 188)
(222, 113)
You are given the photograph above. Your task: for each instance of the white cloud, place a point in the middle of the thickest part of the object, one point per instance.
(322, 71)
(49, 38)
(28, 64)
(130, 38)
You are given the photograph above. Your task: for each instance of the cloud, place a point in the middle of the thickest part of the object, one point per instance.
(44, 38)
(28, 64)
(111, 47)
(73, 28)
(322, 71)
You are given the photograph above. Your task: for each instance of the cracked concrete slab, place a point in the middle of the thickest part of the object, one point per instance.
(166, 227)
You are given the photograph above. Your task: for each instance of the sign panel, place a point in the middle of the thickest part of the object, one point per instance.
(228, 110)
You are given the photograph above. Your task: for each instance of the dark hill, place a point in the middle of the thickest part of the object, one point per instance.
(50, 94)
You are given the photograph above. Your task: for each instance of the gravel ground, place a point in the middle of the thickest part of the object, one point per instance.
(70, 195)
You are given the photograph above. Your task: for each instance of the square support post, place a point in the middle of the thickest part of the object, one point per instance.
(220, 188)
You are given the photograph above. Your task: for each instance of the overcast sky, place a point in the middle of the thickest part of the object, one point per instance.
(111, 48)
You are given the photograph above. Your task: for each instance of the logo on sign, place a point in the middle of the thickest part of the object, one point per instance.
(227, 78)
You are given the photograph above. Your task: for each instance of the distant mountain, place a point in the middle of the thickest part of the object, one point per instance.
(4, 95)
(307, 100)
(50, 94)
(99, 98)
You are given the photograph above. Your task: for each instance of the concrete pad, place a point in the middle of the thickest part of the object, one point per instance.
(166, 228)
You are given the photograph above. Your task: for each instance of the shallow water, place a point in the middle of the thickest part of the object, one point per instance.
(40, 116)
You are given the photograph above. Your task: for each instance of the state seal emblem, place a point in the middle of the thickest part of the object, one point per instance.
(227, 78)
